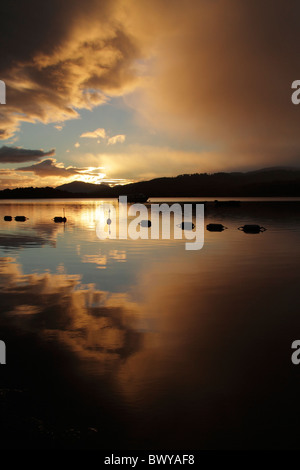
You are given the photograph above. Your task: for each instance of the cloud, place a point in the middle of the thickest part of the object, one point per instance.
(95, 134)
(20, 155)
(10, 178)
(143, 162)
(77, 145)
(49, 167)
(49, 172)
(120, 138)
(75, 57)
(220, 79)
(57, 173)
(100, 132)
(222, 75)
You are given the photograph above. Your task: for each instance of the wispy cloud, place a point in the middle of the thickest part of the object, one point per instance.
(100, 132)
(120, 138)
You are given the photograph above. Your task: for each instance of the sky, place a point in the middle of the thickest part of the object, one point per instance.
(126, 90)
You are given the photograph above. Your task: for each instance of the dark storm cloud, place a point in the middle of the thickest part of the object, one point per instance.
(20, 155)
(60, 57)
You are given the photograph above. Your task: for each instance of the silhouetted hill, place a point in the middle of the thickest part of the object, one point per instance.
(33, 193)
(261, 183)
(47, 192)
(273, 182)
(81, 187)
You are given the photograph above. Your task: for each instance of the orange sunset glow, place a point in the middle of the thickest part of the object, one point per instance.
(149, 228)
(123, 90)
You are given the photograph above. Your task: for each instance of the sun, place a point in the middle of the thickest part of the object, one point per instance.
(93, 175)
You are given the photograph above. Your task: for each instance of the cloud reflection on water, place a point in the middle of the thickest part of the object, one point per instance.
(94, 324)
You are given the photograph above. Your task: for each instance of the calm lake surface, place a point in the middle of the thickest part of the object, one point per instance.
(123, 344)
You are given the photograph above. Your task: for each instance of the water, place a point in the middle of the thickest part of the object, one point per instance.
(122, 344)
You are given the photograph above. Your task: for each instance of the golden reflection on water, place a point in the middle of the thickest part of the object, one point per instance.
(196, 338)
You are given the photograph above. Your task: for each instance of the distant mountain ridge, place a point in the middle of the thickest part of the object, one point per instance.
(267, 182)
(79, 187)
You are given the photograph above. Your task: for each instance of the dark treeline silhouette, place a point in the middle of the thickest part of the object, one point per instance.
(262, 183)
